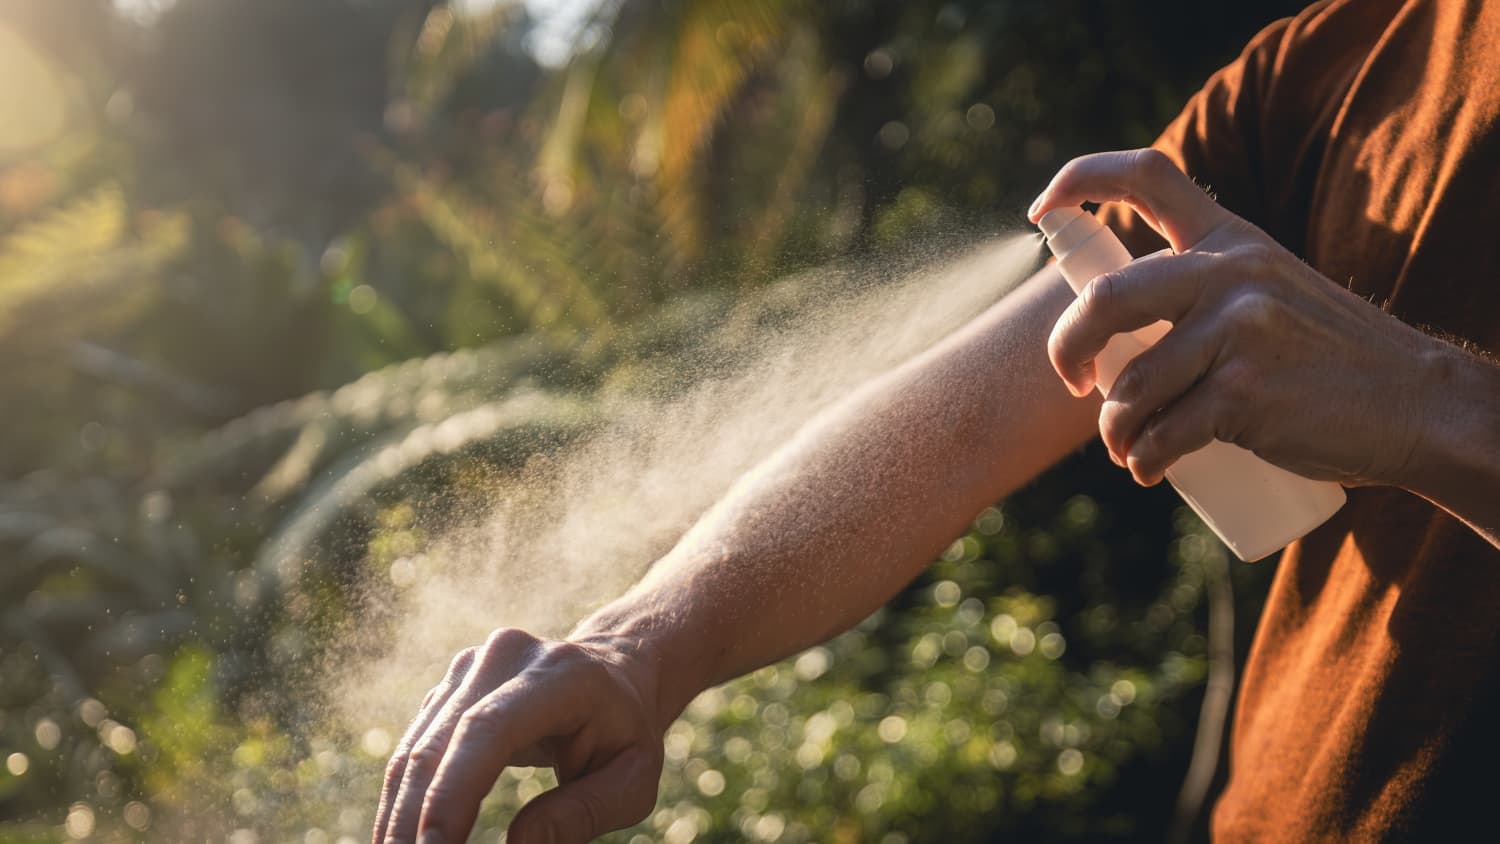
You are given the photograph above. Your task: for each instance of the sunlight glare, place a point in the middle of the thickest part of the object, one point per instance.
(32, 97)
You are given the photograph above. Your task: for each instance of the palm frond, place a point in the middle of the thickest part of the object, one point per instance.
(448, 46)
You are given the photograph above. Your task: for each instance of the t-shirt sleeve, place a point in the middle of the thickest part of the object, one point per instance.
(1254, 135)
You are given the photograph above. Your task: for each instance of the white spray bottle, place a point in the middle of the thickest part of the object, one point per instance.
(1257, 508)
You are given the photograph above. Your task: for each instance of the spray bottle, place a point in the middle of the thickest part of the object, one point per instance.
(1257, 508)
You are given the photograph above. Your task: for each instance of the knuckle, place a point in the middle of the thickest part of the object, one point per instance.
(394, 768)
(1069, 171)
(1152, 163)
(507, 640)
(462, 660)
(501, 648)
(481, 721)
(424, 759)
(575, 664)
(1234, 384)
(564, 650)
(1251, 311)
(1258, 256)
(569, 655)
(1100, 294)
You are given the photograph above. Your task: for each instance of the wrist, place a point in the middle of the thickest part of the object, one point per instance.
(1454, 458)
(649, 648)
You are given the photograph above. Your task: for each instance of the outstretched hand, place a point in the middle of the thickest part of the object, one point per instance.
(1264, 352)
(582, 708)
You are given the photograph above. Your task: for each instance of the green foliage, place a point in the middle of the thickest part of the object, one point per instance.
(976, 710)
(268, 319)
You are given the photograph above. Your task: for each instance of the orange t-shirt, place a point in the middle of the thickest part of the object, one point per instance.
(1364, 135)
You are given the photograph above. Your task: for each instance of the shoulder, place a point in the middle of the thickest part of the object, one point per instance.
(1255, 133)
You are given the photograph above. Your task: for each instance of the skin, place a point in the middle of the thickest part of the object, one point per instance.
(832, 525)
(1256, 332)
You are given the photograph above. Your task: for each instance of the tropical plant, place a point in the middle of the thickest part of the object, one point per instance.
(270, 321)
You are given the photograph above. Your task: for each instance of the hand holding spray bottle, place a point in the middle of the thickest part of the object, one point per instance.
(1257, 508)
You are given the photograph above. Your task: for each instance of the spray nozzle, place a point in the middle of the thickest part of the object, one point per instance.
(1067, 228)
(1057, 219)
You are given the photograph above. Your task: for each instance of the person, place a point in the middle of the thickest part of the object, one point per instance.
(1360, 135)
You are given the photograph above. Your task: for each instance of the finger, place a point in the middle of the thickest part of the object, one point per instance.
(395, 770)
(503, 656)
(485, 741)
(1180, 428)
(1148, 181)
(1155, 379)
(620, 794)
(1157, 287)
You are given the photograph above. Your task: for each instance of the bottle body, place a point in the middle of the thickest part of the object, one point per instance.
(1255, 507)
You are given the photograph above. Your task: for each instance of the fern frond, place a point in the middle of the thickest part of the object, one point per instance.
(64, 274)
(525, 421)
(558, 302)
(413, 392)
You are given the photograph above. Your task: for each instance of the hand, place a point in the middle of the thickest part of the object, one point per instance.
(582, 708)
(1264, 352)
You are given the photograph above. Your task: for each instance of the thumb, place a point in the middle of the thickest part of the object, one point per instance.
(620, 794)
(1149, 182)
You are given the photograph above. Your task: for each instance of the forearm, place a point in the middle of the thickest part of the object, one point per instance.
(838, 520)
(1456, 464)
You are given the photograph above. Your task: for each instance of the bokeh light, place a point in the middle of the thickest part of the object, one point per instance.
(332, 318)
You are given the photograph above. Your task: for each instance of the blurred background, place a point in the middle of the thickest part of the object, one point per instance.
(244, 242)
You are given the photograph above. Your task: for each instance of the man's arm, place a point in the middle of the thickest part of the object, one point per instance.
(836, 522)
(804, 546)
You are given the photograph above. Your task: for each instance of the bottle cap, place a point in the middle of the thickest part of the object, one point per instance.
(1066, 228)
(1053, 221)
